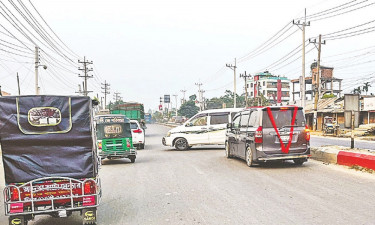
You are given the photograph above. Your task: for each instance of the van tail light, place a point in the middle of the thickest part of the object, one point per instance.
(138, 131)
(128, 143)
(89, 187)
(100, 145)
(14, 194)
(259, 135)
(307, 131)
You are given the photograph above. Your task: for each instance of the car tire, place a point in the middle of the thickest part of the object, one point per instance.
(142, 146)
(227, 150)
(249, 157)
(299, 162)
(181, 144)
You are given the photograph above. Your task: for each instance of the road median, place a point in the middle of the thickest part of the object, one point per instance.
(340, 155)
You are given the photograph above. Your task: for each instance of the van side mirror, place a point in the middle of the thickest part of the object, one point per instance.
(229, 125)
(189, 125)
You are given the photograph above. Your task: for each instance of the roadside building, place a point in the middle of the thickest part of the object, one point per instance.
(274, 88)
(328, 83)
(335, 108)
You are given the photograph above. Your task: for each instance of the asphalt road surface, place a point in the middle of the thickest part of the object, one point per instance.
(202, 186)
(317, 141)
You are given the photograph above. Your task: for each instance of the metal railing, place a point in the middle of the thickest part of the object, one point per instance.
(8, 200)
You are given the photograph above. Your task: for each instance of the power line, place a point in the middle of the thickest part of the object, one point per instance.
(343, 12)
(52, 29)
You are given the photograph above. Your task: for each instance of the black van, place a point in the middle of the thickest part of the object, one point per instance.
(262, 134)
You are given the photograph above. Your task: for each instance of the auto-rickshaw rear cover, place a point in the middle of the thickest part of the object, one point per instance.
(47, 136)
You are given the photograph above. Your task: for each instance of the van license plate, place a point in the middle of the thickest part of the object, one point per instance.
(284, 138)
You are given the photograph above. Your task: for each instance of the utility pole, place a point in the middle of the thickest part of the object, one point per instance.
(317, 82)
(106, 92)
(18, 84)
(245, 76)
(234, 81)
(117, 96)
(183, 92)
(85, 76)
(302, 26)
(175, 97)
(200, 95)
(36, 69)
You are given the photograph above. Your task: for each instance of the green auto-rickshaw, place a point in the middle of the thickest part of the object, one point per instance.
(114, 137)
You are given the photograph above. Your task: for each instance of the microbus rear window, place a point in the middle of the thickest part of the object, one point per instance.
(283, 118)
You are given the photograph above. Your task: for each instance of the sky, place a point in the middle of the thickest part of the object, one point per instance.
(146, 49)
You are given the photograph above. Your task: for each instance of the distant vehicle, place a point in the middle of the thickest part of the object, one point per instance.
(132, 110)
(205, 128)
(50, 157)
(269, 133)
(138, 134)
(114, 137)
(148, 118)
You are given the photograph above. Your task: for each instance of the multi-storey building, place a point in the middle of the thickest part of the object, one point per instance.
(274, 88)
(328, 83)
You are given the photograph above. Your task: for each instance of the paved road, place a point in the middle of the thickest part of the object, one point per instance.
(201, 186)
(317, 141)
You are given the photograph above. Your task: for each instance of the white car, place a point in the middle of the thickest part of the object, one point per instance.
(138, 134)
(205, 128)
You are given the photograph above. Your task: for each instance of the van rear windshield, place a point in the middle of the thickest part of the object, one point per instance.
(283, 118)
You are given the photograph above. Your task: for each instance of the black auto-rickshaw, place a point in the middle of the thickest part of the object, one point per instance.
(49, 156)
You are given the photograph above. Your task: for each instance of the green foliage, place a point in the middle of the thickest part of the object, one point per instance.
(188, 109)
(158, 116)
(357, 90)
(328, 96)
(366, 86)
(192, 97)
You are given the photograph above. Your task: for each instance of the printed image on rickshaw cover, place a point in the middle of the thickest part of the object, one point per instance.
(44, 116)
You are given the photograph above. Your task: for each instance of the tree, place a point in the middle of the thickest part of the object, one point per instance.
(192, 97)
(189, 108)
(357, 90)
(366, 86)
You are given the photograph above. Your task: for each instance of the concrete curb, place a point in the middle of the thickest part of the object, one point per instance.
(169, 124)
(344, 156)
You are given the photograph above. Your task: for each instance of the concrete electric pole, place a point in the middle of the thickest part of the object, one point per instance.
(175, 97)
(234, 80)
(37, 64)
(85, 76)
(245, 76)
(302, 26)
(106, 92)
(200, 95)
(183, 98)
(116, 96)
(317, 82)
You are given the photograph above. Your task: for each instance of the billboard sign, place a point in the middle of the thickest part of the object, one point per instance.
(369, 104)
(167, 98)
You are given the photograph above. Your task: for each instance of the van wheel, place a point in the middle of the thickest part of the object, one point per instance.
(249, 157)
(132, 159)
(227, 150)
(181, 144)
(299, 161)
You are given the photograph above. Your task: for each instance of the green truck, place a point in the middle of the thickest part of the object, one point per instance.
(132, 110)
